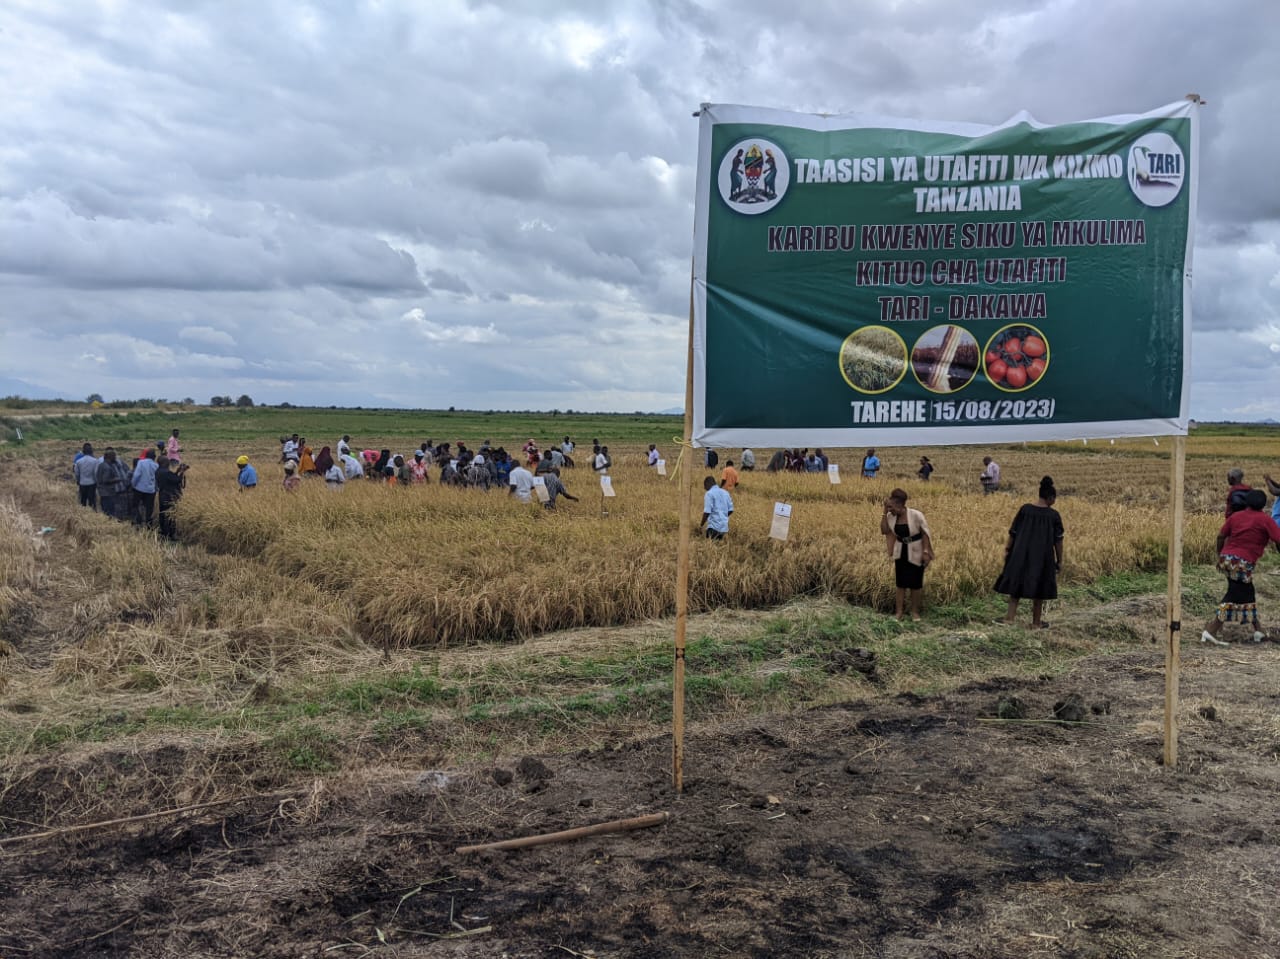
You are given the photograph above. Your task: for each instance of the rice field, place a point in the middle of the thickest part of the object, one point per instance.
(873, 359)
(437, 567)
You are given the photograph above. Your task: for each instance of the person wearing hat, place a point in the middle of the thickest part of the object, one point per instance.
(419, 467)
(248, 476)
(291, 478)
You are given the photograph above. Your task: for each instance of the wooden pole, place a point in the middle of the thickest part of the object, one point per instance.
(1173, 650)
(682, 571)
(618, 825)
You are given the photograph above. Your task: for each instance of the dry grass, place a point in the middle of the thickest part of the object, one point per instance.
(438, 567)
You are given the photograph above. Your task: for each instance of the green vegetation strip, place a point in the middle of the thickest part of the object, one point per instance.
(790, 660)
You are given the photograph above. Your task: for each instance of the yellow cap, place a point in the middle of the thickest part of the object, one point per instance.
(242, 461)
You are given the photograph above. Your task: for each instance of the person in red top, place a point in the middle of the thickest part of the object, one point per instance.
(1236, 490)
(1241, 542)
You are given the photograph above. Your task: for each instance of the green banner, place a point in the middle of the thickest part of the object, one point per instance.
(861, 280)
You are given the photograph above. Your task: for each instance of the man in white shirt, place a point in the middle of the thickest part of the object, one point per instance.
(653, 455)
(521, 485)
(602, 462)
(990, 477)
(290, 451)
(351, 466)
(344, 446)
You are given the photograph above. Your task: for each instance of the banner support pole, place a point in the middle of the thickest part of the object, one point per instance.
(1173, 650)
(682, 572)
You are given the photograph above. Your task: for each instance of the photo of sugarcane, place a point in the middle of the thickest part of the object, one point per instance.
(945, 359)
(873, 359)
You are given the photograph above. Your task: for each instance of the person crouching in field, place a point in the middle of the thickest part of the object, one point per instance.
(1241, 542)
(1033, 556)
(291, 478)
(911, 548)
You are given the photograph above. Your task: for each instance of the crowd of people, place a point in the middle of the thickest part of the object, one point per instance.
(145, 489)
(790, 461)
(532, 472)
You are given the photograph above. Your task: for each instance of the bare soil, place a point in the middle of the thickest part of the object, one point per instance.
(904, 828)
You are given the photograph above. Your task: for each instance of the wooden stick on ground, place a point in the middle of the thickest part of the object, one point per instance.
(63, 830)
(617, 825)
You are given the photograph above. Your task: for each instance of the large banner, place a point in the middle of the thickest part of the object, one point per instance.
(863, 280)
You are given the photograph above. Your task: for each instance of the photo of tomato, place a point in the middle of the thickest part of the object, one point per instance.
(1016, 357)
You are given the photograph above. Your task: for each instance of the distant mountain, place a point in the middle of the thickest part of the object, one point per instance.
(29, 391)
(672, 411)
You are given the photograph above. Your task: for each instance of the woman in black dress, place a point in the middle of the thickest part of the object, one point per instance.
(907, 535)
(1033, 556)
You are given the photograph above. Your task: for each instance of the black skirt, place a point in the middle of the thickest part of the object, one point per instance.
(907, 575)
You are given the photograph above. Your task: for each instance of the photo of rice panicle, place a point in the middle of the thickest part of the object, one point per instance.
(945, 359)
(873, 359)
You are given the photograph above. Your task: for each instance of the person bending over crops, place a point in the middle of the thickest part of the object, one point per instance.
(1033, 556)
(911, 549)
(291, 478)
(1241, 542)
(556, 488)
(323, 461)
(925, 470)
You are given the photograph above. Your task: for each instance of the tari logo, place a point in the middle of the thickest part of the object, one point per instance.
(1156, 169)
(754, 175)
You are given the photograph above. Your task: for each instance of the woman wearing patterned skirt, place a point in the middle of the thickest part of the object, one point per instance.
(1241, 542)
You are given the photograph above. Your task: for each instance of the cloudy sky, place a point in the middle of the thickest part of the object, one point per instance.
(439, 203)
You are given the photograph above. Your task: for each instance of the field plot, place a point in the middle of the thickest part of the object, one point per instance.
(316, 698)
(429, 566)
